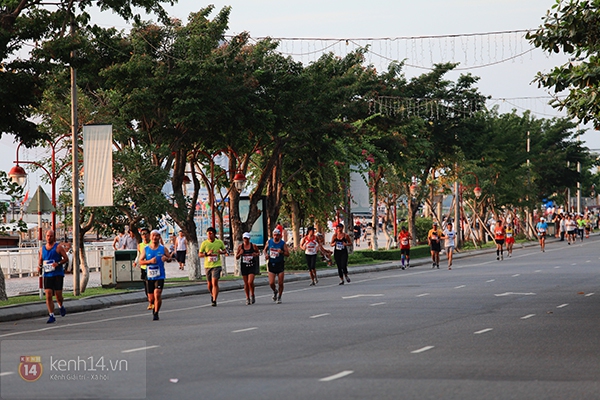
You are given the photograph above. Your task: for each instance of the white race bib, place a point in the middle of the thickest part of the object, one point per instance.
(213, 258)
(339, 246)
(153, 271)
(273, 253)
(48, 267)
(247, 259)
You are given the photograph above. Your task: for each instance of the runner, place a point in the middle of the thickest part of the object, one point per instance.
(542, 228)
(51, 258)
(153, 257)
(275, 252)
(404, 238)
(499, 238)
(340, 242)
(571, 225)
(249, 253)
(310, 246)
(450, 236)
(510, 239)
(211, 249)
(580, 225)
(145, 242)
(434, 237)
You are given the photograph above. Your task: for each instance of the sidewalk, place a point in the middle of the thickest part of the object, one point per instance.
(38, 309)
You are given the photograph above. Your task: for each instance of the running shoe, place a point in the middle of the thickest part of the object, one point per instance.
(247, 302)
(407, 265)
(433, 266)
(51, 319)
(347, 279)
(274, 296)
(253, 299)
(312, 283)
(154, 316)
(438, 266)
(502, 257)
(342, 282)
(150, 306)
(279, 300)
(403, 267)
(316, 280)
(63, 311)
(497, 258)
(213, 303)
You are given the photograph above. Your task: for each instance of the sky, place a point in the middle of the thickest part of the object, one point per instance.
(505, 75)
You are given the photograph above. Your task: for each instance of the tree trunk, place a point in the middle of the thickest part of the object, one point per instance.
(295, 221)
(3, 296)
(193, 261)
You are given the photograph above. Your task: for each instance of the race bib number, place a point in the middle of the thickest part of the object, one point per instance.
(434, 237)
(273, 253)
(48, 267)
(542, 230)
(339, 246)
(247, 259)
(508, 234)
(404, 242)
(153, 271)
(311, 249)
(213, 258)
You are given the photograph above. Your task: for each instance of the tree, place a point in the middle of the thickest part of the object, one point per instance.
(15, 192)
(571, 27)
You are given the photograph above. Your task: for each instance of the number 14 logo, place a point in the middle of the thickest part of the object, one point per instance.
(30, 368)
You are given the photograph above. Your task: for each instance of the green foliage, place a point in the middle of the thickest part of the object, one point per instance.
(571, 27)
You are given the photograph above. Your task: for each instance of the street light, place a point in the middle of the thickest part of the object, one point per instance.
(18, 175)
(239, 181)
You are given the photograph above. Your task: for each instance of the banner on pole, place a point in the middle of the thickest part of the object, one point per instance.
(97, 165)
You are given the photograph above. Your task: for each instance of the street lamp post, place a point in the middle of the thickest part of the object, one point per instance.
(18, 175)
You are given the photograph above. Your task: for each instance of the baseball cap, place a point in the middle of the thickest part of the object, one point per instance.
(246, 235)
(435, 223)
(276, 232)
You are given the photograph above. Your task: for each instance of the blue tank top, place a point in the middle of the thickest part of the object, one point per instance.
(155, 271)
(276, 246)
(52, 256)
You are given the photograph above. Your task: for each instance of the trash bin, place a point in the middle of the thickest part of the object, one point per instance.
(126, 274)
(551, 229)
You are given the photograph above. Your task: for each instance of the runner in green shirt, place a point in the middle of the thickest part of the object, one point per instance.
(211, 250)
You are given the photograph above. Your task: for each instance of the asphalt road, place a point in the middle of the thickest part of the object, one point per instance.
(523, 328)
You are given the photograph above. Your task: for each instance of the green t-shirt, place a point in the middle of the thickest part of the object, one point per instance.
(215, 259)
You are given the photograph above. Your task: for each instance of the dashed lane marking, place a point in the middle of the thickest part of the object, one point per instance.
(361, 295)
(319, 315)
(423, 294)
(528, 316)
(460, 287)
(139, 349)
(562, 305)
(6, 373)
(336, 376)
(491, 280)
(423, 349)
(513, 293)
(245, 330)
(483, 331)
(589, 294)
(515, 275)
(377, 304)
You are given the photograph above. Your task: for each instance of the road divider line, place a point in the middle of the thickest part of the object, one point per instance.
(511, 293)
(423, 294)
(515, 275)
(245, 330)
(589, 294)
(528, 316)
(460, 287)
(336, 376)
(538, 270)
(483, 331)
(557, 267)
(563, 305)
(491, 280)
(377, 304)
(356, 296)
(139, 349)
(421, 350)
(6, 373)
(319, 315)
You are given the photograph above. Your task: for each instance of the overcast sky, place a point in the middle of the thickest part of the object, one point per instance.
(352, 19)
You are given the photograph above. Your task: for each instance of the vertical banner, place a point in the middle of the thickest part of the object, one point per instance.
(97, 165)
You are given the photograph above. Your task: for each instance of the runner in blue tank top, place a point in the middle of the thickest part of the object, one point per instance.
(153, 257)
(275, 251)
(51, 259)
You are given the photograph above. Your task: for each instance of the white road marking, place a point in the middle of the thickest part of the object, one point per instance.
(319, 315)
(589, 261)
(528, 316)
(336, 376)
(538, 270)
(515, 275)
(421, 350)
(511, 293)
(356, 296)
(6, 373)
(460, 287)
(139, 349)
(491, 280)
(245, 330)
(483, 331)
(574, 264)
(563, 305)
(557, 267)
(589, 294)
(377, 304)
(423, 294)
